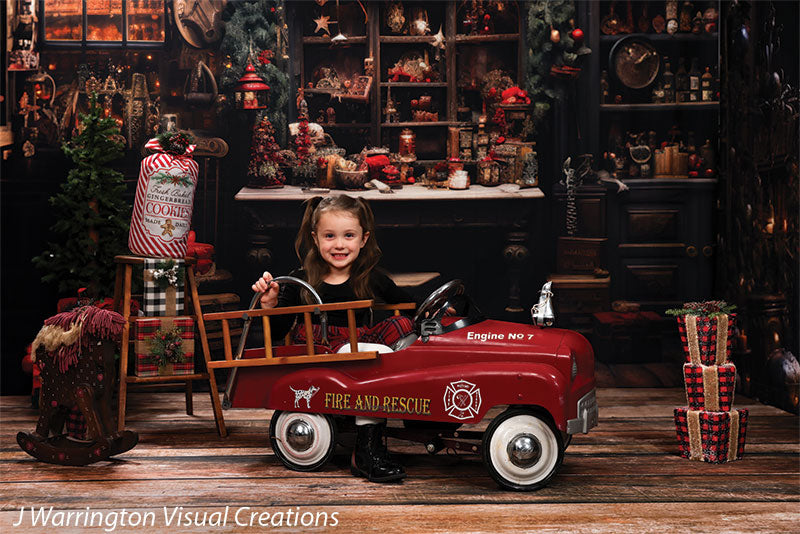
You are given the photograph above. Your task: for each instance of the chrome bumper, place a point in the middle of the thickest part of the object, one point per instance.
(587, 415)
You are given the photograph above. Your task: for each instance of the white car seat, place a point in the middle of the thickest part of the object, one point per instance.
(366, 347)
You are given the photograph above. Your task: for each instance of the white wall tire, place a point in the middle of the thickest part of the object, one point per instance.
(302, 441)
(521, 450)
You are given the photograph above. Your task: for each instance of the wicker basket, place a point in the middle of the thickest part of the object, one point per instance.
(352, 179)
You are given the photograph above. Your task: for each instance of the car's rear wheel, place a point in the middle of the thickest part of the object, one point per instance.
(521, 450)
(302, 441)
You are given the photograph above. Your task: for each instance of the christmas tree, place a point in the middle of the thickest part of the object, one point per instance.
(93, 218)
(254, 31)
(265, 159)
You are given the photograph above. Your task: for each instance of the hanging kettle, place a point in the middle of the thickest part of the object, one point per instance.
(200, 89)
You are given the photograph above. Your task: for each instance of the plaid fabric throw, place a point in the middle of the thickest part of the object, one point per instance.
(385, 332)
(76, 424)
(161, 302)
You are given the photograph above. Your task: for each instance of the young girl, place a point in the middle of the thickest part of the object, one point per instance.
(340, 255)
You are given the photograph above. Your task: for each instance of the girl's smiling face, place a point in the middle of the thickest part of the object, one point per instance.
(339, 238)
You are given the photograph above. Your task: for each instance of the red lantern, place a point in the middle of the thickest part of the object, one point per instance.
(251, 92)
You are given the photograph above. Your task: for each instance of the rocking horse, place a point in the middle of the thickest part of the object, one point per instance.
(75, 353)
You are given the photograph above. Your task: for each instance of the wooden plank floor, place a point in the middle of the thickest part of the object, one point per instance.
(625, 476)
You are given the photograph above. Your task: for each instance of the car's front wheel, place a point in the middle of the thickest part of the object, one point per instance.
(521, 450)
(302, 441)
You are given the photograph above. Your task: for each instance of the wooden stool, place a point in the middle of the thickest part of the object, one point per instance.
(122, 304)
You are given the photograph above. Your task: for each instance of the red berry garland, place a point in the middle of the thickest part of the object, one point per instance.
(266, 56)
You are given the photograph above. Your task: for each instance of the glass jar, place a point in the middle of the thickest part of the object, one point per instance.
(408, 142)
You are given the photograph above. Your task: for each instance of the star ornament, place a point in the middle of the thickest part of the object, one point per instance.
(322, 24)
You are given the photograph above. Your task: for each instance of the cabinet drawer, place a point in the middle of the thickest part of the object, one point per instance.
(652, 282)
(651, 225)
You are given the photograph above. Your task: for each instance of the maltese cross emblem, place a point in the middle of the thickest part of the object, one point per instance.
(462, 400)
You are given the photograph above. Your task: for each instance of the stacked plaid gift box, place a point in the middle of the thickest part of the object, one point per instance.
(164, 340)
(709, 428)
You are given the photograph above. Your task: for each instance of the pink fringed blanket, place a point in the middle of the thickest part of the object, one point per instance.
(64, 335)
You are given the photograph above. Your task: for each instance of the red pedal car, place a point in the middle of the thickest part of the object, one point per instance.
(450, 372)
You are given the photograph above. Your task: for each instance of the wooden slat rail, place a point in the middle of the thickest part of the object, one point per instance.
(286, 360)
(395, 307)
(310, 356)
(335, 306)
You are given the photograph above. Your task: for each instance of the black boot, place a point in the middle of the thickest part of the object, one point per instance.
(371, 458)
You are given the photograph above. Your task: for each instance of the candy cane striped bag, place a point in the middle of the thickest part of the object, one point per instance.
(162, 210)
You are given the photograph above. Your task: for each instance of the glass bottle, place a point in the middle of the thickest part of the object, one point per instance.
(707, 86)
(694, 82)
(604, 98)
(671, 9)
(681, 83)
(668, 83)
(685, 19)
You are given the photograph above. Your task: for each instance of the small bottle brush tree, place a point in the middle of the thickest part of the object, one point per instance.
(92, 217)
(265, 158)
(306, 164)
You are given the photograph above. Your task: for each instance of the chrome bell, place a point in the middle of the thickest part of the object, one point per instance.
(542, 312)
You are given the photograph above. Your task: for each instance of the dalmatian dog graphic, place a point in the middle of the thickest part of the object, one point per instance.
(304, 394)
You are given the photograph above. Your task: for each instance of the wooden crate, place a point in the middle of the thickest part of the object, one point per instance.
(578, 293)
(580, 255)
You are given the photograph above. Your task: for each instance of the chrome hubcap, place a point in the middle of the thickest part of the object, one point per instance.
(524, 450)
(300, 435)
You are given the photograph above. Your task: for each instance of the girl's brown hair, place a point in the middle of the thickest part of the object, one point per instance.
(315, 267)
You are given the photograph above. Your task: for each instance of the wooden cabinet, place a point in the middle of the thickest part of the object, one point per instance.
(661, 230)
(661, 243)
(443, 68)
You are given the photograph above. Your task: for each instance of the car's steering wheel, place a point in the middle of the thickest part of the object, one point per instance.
(437, 302)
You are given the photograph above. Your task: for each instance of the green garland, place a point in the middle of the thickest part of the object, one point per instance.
(175, 143)
(543, 89)
(166, 347)
(251, 29)
(708, 308)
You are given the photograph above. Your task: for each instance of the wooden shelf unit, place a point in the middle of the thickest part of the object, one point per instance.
(385, 49)
(694, 106)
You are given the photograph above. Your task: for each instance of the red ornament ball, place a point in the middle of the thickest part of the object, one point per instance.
(577, 35)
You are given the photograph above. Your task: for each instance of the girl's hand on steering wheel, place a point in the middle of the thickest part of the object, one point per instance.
(269, 288)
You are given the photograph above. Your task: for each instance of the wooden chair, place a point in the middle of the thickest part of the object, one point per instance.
(122, 304)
